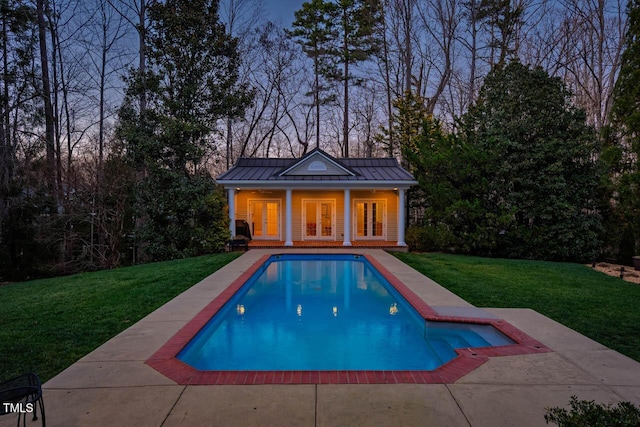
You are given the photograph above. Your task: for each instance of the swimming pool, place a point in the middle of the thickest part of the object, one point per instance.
(327, 312)
(165, 360)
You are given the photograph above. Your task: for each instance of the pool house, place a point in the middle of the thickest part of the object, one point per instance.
(318, 200)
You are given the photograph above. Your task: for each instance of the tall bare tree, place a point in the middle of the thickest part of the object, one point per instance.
(277, 55)
(367, 118)
(357, 23)
(386, 75)
(110, 31)
(240, 17)
(470, 42)
(135, 13)
(313, 29)
(440, 19)
(42, 7)
(595, 31)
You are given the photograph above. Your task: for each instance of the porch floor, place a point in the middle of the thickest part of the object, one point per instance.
(373, 244)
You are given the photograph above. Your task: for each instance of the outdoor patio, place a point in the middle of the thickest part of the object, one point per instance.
(113, 386)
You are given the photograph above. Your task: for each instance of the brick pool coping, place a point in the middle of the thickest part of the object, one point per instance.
(468, 359)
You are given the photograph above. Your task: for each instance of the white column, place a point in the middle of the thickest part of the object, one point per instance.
(401, 211)
(288, 219)
(231, 194)
(347, 218)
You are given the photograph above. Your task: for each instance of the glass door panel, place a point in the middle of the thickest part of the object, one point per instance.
(376, 219)
(312, 222)
(264, 219)
(369, 219)
(326, 220)
(272, 220)
(257, 218)
(318, 219)
(361, 219)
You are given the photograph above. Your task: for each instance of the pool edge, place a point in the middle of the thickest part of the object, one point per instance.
(468, 359)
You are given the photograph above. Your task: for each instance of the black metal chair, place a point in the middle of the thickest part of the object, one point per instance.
(242, 237)
(22, 395)
(242, 229)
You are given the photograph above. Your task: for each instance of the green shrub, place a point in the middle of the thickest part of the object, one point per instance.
(427, 238)
(183, 216)
(414, 236)
(587, 413)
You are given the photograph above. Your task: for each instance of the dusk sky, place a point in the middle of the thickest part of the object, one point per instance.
(283, 10)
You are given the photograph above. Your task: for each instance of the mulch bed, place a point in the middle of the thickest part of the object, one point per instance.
(630, 274)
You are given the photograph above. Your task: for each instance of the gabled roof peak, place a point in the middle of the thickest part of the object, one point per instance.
(317, 162)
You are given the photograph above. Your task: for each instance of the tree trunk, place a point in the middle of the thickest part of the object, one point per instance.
(46, 96)
(316, 96)
(6, 146)
(142, 64)
(387, 81)
(345, 124)
(229, 143)
(407, 46)
(103, 66)
(474, 53)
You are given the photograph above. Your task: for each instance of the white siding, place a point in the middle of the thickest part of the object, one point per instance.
(243, 197)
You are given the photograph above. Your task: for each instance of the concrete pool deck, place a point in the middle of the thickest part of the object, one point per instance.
(113, 386)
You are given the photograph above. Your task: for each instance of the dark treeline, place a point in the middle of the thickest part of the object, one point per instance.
(519, 119)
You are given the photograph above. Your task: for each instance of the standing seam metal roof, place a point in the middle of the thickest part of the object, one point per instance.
(267, 169)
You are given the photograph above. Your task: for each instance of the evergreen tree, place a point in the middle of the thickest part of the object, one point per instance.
(447, 209)
(22, 199)
(623, 146)
(190, 83)
(520, 179)
(503, 17)
(626, 105)
(338, 32)
(359, 37)
(314, 31)
(541, 165)
(409, 119)
(451, 177)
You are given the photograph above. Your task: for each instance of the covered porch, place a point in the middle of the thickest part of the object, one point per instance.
(318, 218)
(381, 244)
(317, 201)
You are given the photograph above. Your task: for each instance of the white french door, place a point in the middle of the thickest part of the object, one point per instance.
(264, 219)
(370, 219)
(318, 219)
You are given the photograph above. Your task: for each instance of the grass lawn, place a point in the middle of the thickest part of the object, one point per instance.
(601, 307)
(46, 325)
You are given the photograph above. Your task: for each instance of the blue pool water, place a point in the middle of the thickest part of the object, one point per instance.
(326, 312)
